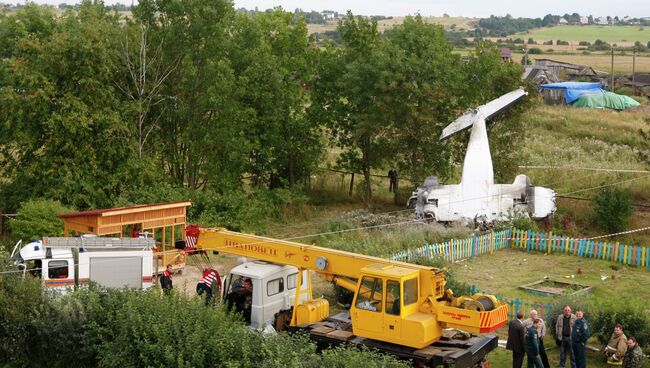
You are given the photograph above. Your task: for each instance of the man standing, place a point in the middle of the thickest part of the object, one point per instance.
(515, 343)
(166, 280)
(563, 330)
(579, 338)
(532, 344)
(541, 333)
(634, 356)
(616, 347)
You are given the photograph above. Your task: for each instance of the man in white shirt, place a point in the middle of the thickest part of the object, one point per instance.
(541, 332)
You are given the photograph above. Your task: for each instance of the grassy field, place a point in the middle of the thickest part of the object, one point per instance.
(610, 34)
(461, 23)
(503, 272)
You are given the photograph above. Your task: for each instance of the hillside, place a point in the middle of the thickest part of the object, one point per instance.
(459, 23)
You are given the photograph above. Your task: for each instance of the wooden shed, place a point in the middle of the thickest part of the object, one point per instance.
(164, 222)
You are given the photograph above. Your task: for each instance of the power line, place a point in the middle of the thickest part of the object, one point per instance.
(584, 168)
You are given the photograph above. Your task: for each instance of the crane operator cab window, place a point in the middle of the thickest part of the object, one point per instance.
(240, 296)
(370, 294)
(392, 297)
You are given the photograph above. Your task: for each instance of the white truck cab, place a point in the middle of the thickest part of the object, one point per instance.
(63, 263)
(272, 289)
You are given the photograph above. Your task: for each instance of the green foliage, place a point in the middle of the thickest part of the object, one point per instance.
(535, 50)
(633, 316)
(612, 208)
(561, 42)
(37, 218)
(345, 356)
(62, 135)
(118, 328)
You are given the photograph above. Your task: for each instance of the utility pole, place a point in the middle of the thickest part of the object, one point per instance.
(633, 67)
(611, 86)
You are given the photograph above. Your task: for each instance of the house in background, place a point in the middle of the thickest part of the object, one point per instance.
(563, 22)
(584, 20)
(506, 55)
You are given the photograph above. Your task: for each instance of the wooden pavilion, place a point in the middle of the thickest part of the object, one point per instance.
(164, 222)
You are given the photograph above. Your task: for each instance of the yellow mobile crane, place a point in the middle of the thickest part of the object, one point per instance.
(399, 308)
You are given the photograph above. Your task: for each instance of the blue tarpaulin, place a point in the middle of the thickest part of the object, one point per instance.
(573, 90)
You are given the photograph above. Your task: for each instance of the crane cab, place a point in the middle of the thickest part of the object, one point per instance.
(386, 307)
(261, 291)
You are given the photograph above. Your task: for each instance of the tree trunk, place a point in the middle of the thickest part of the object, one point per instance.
(366, 167)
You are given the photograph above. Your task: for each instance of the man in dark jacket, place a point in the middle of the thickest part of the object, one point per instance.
(515, 343)
(532, 345)
(634, 356)
(579, 338)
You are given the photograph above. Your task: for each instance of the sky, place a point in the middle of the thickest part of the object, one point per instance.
(466, 8)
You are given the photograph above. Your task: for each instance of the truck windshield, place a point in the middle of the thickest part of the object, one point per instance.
(18, 259)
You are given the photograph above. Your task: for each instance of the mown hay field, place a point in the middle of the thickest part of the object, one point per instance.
(610, 34)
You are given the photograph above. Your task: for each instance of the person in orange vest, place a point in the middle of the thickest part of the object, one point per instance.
(207, 283)
(166, 280)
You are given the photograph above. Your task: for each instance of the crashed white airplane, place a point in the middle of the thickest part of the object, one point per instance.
(477, 198)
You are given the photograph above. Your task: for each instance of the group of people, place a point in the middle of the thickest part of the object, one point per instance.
(208, 281)
(526, 337)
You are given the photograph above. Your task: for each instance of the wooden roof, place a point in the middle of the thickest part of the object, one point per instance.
(111, 220)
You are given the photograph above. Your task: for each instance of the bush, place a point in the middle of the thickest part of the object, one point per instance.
(124, 328)
(534, 50)
(632, 315)
(560, 42)
(612, 208)
(37, 218)
(584, 43)
(549, 42)
(531, 41)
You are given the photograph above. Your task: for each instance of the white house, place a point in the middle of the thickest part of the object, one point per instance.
(584, 20)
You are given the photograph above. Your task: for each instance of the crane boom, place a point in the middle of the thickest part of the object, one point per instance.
(419, 304)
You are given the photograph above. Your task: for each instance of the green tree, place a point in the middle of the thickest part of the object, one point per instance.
(37, 218)
(63, 135)
(200, 141)
(347, 86)
(613, 208)
(419, 97)
(272, 65)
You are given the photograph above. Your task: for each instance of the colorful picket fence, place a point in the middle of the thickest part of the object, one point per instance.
(549, 243)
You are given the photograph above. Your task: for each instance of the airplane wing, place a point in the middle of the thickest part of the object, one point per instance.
(483, 112)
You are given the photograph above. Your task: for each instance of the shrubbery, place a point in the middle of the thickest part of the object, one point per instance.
(121, 328)
(633, 316)
(37, 218)
(602, 315)
(613, 208)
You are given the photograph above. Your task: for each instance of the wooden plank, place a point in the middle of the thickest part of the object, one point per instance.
(340, 335)
(321, 330)
(428, 352)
